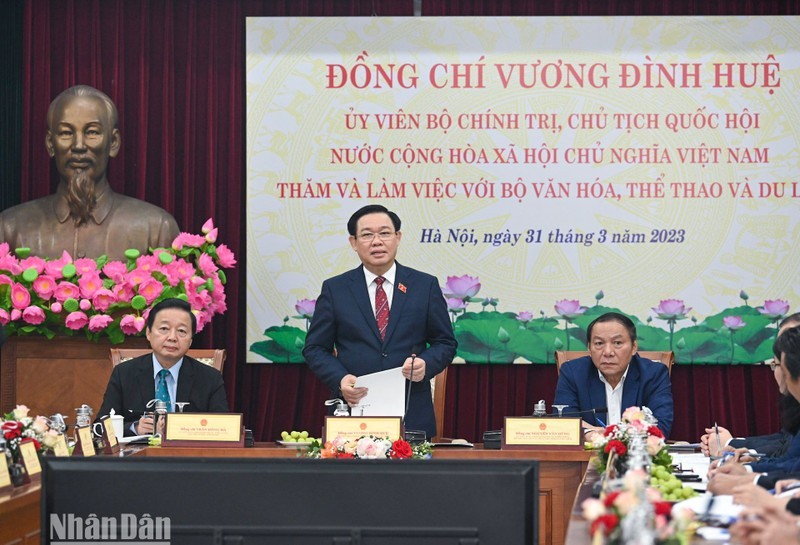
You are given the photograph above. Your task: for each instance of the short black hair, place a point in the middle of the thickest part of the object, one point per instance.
(171, 303)
(790, 318)
(352, 223)
(788, 345)
(612, 317)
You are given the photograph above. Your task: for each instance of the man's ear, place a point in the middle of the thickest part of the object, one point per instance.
(116, 143)
(48, 143)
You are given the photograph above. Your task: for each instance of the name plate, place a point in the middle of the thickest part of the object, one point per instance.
(530, 431)
(108, 437)
(29, 457)
(203, 429)
(84, 446)
(353, 427)
(5, 475)
(60, 447)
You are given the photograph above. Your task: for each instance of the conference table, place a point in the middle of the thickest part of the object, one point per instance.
(560, 475)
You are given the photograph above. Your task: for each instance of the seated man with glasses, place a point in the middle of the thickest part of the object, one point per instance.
(167, 374)
(775, 444)
(379, 316)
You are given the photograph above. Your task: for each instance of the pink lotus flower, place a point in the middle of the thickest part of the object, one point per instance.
(55, 267)
(207, 226)
(20, 296)
(85, 305)
(9, 263)
(66, 290)
(85, 265)
(774, 309)
(202, 319)
(90, 283)
(33, 262)
(179, 269)
(99, 322)
(733, 322)
(525, 316)
(569, 308)
(115, 270)
(137, 276)
(132, 325)
(461, 287)
(4, 249)
(56, 308)
(455, 305)
(33, 315)
(211, 236)
(123, 292)
(671, 309)
(76, 320)
(150, 289)
(187, 239)
(206, 264)
(305, 308)
(148, 263)
(5, 279)
(16, 314)
(225, 256)
(5, 317)
(44, 286)
(102, 299)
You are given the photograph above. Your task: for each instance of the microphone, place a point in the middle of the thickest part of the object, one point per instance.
(592, 412)
(408, 394)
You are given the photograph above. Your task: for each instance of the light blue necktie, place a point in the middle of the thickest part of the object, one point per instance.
(162, 394)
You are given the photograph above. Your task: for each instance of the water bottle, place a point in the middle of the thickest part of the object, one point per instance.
(341, 409)
(540, 409)
(159, 415)
(83, 418)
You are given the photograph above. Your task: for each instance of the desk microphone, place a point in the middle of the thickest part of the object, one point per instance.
(410, 382)
(592, 412)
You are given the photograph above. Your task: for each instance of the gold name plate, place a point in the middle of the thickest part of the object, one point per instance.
(353, 427)
(203, 429)
(530, 431)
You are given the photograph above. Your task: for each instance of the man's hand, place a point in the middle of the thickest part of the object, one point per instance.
(419, 369)
(145, 425)
(350, 393)
(708, 442)
(724, 483)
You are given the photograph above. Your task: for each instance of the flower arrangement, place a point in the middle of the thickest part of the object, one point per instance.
(368, 447)
(617, 437)
(103, 297)
(17, 426)
(648, 512)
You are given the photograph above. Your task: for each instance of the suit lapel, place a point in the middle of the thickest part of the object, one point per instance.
(147, 385)
(631, 387)
(358, 289)
(399, 298)
(597, 389)
(185, 378)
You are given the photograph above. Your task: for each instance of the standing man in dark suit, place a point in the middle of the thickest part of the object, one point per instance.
(379, 316)
(167, 374)
(614, 376)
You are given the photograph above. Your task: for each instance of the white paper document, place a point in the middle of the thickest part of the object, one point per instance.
(386, 395)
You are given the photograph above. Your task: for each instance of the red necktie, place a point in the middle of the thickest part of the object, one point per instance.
(381, 307)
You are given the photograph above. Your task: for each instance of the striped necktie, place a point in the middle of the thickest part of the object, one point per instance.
(381, 307)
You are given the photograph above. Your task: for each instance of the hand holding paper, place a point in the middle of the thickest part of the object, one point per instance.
(385, 393)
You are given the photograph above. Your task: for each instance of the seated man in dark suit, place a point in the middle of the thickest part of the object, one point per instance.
(379, 316)
(615, 377)
(167, 374)
(773, 445)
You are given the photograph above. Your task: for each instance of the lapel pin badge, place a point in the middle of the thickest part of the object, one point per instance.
(402, 287)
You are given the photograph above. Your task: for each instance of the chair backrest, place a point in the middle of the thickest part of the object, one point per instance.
(438, 390)
(667, 357)
(215, 357)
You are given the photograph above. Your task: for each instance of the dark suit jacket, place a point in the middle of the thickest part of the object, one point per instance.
(773, 445)
(132, 385)
(418, 324)
(647, 384)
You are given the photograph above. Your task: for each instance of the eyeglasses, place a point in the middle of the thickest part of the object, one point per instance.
(369, 237)
(773, 364)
